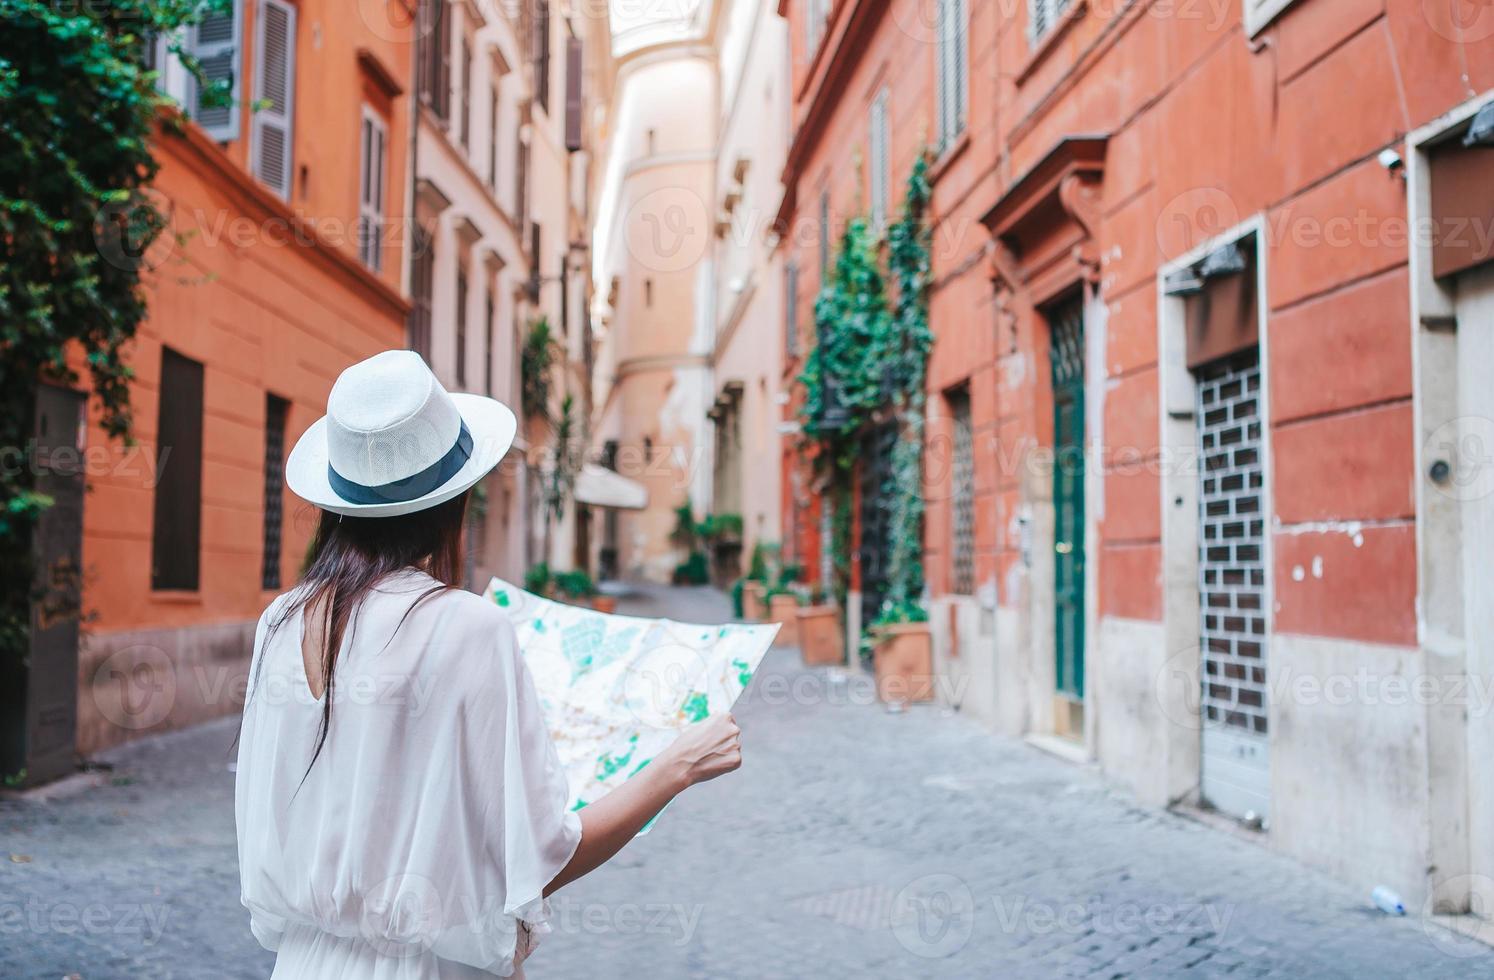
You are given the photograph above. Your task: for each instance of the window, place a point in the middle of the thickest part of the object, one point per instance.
(880, 170)
(461, 329)
(1259, 13)
(274, 94)
(375, 155)
(542, 53)
(791, 309)
(962, 495)
(824, 238)
(422, 281)
(434, 68)
(276, 410)
(1045, 15)
(521, 187)
(490, 314)
(215, 45)
(466, 121)
(493, 106)
(565, 298)
(535, 277)
(954, 68)
(573, 95)
(177, 531)
(816, 13)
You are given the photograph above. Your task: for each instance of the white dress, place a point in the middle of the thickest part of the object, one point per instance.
(428, 828)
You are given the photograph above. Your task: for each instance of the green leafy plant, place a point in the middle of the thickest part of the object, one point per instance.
(537, 579)
(869, 363)
(694, 570)
(536, 357)
(78, 113)
(564, 460)
(763, 563)
(574, 584)
(720, 527)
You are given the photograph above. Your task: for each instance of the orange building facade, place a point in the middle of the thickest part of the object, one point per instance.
(284, 264)
(1199, 401)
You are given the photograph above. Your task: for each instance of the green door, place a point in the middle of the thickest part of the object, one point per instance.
(1067, 354)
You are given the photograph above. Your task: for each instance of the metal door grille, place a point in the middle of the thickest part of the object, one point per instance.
(962, 565)
(1232, 587)
(1232, 571)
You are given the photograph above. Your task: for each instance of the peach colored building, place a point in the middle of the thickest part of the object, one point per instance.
(1204, 479)
(651, 250)
(285, 264)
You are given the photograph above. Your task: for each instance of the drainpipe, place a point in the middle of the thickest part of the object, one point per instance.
(408, 274)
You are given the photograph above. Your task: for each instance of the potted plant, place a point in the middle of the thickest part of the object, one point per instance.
(754, 600)
(902, 653)
(783, 608)
(821, 639)
(578, 587)
(754, 586)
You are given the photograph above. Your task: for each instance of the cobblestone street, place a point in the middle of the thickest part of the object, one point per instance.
(853, 843)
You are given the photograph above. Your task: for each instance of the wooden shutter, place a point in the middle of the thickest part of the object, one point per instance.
(493, 106)
(573, 100)
(461, 328)
(542, 53)
(960, 56)
(374, 144)
(422, 281)
(177, 531)
(274, 95)
(276, 410)
(216, 45)
(490, 313)
(791, 310)
(466, 109)
(879, 170)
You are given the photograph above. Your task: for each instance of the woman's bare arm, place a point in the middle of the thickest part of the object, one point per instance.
(705, 751)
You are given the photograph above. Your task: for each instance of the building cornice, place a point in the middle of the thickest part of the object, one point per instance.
(186, 140)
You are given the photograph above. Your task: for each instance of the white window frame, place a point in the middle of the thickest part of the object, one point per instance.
(373, 179)
(952, 63)
(1259, 13)
(1043, 16)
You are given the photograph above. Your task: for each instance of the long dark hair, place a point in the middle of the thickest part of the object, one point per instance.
(349, 556)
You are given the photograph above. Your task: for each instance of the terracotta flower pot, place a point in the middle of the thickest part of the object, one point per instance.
(604, 603)
(903, 660)
(784, 609)
(754, 608)
(821, 642)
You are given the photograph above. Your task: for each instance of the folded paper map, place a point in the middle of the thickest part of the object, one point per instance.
(617, 690)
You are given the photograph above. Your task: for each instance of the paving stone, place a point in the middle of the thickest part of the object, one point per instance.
(853, 843)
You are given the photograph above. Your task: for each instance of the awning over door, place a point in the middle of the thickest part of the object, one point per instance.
(601, 487)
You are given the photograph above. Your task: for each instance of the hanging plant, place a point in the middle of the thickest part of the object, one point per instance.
(78, 113)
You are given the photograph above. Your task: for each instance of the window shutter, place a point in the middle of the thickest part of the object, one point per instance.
(215, 44)
(274, 92)
(375, 149)
(961, 58)
(879, 191)
(176, 535)
(461, 328)
(573, 65)
(466, 110)
(942, 45)
(791, 310)
(542, 54)
(493, 106)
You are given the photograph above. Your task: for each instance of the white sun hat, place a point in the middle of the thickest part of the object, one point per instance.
(395, 442)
